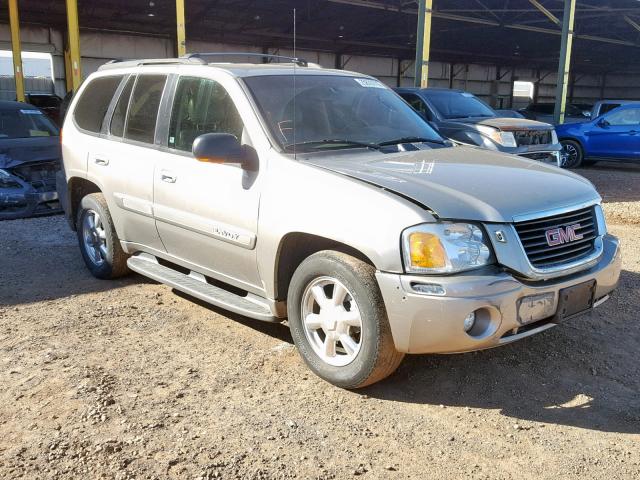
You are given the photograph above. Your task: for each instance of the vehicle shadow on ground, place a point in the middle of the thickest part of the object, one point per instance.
(583, 373)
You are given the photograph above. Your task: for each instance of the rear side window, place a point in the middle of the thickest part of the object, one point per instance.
(94, 102)
(143, 108)
(120, 113)
(201, 106)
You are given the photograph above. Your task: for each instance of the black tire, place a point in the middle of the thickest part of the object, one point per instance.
(113, 262)
(574, 152)
(377, 357)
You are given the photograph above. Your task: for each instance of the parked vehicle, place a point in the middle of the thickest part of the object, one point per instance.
(543, 112)
(29, 159)
(288, 191)
(603, 106)
(614, 136)
(466, 119)
(49, 103)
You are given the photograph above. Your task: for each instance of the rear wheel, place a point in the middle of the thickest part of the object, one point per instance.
(99, 243)
(338, 320)
(574, 154)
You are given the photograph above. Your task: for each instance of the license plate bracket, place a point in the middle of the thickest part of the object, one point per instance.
(576, 300)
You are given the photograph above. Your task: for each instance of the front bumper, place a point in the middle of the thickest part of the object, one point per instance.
(27, 202)
(434, 324)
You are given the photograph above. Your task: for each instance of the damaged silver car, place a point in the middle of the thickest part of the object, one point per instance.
(29, 159)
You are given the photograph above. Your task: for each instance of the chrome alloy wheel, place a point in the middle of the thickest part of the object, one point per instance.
(94, 237)
(332, 321)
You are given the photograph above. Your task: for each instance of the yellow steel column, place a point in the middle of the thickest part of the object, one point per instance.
(423, 43)
(15, 46)
(74, 43)
(182, 45)
(68, 75)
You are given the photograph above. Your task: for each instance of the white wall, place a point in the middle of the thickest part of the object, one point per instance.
(100, 47)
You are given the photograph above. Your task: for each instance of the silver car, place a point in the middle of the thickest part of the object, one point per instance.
(290, 192)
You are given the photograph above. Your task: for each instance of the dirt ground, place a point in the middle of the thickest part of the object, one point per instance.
(126, 379)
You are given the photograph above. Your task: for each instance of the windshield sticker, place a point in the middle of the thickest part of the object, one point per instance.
(369, 83)
(31, 112)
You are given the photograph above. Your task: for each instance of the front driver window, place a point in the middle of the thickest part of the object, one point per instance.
(201, 106)
(624, 117)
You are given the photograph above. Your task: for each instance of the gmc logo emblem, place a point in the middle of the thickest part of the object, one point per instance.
(560, 235)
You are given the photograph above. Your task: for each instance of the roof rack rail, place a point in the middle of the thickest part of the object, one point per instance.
(301, 62)
(119, 63)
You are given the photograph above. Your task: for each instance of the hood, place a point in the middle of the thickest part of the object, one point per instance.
(504, 124)
(466, 183)
(17, 151)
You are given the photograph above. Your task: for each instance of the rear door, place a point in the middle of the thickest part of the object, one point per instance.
(124, 162)
(616, 135)
(207, 213)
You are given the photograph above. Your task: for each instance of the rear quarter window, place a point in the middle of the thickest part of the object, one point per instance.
(93, 104)
(143, 108)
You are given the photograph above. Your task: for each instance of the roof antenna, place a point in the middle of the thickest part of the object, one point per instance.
(295, 64)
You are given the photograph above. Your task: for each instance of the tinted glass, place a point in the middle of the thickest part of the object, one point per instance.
(94, 102)
(201, 106)
(416, 103)
(459, 105)
(331, 111)
(25, 123)
(607, 107)
(624, 117)
(143, 108)
(120, 112)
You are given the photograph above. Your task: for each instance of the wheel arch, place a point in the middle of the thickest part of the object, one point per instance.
(295, 247)
(78, 188)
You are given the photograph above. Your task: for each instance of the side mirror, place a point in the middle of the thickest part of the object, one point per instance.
(224, 148)
(586, 114)
(602, 123)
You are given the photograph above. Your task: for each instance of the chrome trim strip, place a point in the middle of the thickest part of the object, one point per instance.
(555, 211)
(601, 301)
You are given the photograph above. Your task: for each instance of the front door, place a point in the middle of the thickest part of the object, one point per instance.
(207, 213)
(616, 134)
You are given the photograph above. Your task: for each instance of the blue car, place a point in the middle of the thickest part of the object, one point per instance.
(614, 136)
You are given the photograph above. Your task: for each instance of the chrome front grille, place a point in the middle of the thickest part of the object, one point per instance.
(559, 239)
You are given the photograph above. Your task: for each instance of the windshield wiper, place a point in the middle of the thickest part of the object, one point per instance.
(332, 141)
(411, 140)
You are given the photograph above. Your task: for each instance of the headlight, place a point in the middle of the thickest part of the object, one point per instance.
(7, 180)
(554, 136)
(506, 139)
(444, 248)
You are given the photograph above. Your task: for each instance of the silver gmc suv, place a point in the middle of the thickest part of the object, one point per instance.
(284, 191)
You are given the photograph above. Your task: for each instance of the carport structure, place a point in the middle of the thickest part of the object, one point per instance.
(562, 41)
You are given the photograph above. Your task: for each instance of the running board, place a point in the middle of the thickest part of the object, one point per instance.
(197, 286)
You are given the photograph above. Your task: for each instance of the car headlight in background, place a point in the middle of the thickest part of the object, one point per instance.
(506, 139)
(554, 136)
(7, 180)
(444, 247)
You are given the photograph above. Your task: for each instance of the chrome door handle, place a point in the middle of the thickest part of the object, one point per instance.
(165, 177)
(633, 132)
(101, 161)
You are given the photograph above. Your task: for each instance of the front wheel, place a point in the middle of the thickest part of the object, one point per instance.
(338, 320)
(574, 155)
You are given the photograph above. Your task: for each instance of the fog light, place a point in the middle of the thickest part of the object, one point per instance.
(469, 322)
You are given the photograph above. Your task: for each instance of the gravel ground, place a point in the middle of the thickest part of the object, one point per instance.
(127, 379)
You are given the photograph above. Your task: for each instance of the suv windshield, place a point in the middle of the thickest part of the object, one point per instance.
(459, 105)
(25, 123)
(334, 112)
